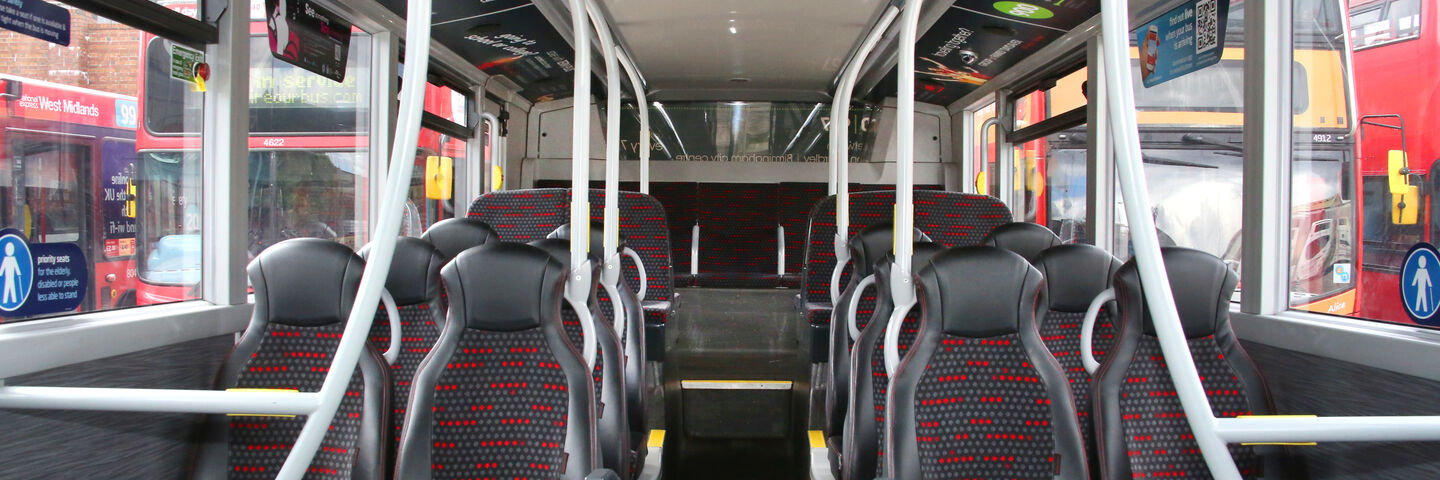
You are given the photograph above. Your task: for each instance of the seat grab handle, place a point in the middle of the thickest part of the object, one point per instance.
(393, 353)
(1087, 330)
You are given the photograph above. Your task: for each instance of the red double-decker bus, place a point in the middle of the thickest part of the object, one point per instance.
(72, 154)
(1397, 83)
(308, 160)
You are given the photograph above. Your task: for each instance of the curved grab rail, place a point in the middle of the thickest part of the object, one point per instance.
(617, 306)
(393, 353)
(1087, 330)
(852, 322)
(578, 299)
(639, 265)
(892, 335)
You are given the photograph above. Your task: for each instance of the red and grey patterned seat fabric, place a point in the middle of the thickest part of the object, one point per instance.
(529, 215)
(1141, 427)
(979, 395)
(503, 394)
(951, 219)
(862, 440)
(611, 423)
(304, 289)
(738, 241)
(414, 283)
(796, 200)
(866, 248)
(1074, 276)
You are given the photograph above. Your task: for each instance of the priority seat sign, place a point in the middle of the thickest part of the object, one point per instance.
(40, 278)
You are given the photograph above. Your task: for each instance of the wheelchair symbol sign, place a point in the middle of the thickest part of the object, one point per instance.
(1417, 284)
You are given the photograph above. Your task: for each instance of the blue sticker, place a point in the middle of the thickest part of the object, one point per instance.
(17, 272)
(127, 113)
(1183, 40)
(36, 18)
(40, 278)
(1417, 283)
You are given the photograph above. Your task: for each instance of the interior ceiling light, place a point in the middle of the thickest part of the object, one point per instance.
(740, 80)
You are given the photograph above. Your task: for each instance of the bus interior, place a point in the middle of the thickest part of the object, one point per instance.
(682, 239)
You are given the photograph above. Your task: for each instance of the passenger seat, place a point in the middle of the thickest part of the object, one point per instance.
(454, 235)
(414, 284)
(304, 289)
(1024, 238)
(978, 395)
(1141, 427)
(611, 423)
(1074, 276)
(503, 394)
(864, 434)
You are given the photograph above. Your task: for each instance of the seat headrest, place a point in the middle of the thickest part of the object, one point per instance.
(978, 292)
(597, 238)
(454, 235)
(305, 282)
(1025, 238)
(414, 272)
(1204, 285)
(919, 257)
(1075, 274)
(872, 243)
(504, 287)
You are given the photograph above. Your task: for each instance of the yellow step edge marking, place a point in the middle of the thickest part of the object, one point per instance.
(1288, 444)
(273, 390)
(817, 439)
(736, 384)
(657, 439)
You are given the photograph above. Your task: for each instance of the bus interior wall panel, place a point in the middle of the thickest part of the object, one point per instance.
(1302, 383)
(112, 444)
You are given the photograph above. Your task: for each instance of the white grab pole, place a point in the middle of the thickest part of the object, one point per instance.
(159, 400)
(840, 143)
(610, 274)
(577, 285)
(1120, 93)
(902, 286)
(643, 110)
(387, 229)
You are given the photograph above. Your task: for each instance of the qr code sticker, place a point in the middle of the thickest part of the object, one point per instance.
(1207, 26)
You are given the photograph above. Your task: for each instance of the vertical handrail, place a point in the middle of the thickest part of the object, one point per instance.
(492, 135)
(695, 249)
(642, 108)
(610, 274)
(902, 286)
(387, 229)
(985, 153)
(1115, 49)
(577, 284)
(840, 146)
(780, 249)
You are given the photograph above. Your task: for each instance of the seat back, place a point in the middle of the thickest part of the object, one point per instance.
(611, 424)
(529, 215)
(979, 359)
(951, 219)
(304, 289)
(863, 435)
(503, 393)
(1142, 428)
(866, 248)
(454, 235)
(1074, 275)
(414, 284)
(1024, 238)
(631, 337)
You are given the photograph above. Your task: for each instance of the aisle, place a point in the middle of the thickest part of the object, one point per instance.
(738, 349)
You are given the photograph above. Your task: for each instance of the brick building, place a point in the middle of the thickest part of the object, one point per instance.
(103, 55)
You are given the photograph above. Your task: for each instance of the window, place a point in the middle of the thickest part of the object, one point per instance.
(1192, 152)
(743, 131)
(308, 166)
(1384, 22)
(71, 181)
(1361, 196)
(435, 182)
(987, 178)
(1050, 174)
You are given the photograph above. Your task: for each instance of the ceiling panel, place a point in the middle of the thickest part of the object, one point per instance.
(775, 45)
